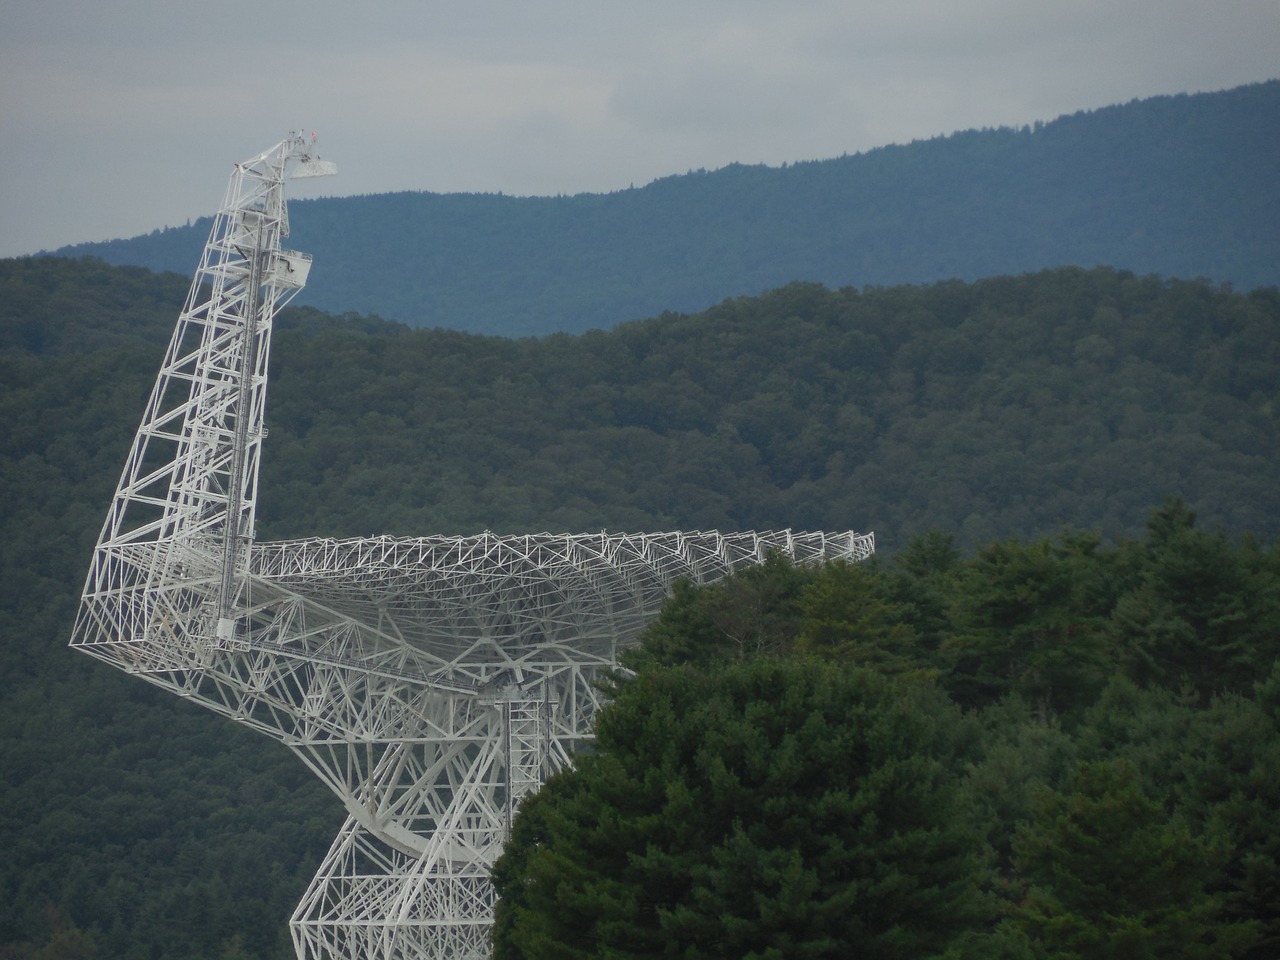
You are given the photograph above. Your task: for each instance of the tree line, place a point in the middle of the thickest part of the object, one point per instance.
(1043, 749)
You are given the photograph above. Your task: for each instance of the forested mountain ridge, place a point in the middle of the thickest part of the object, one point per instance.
(998, 409)
(1006, 407)
(1184, 186)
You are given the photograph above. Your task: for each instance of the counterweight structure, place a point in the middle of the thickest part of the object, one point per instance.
(431, 683)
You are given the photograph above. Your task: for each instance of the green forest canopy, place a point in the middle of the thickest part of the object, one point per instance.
(1047, 749)
(1007, 407)
(1002, 410)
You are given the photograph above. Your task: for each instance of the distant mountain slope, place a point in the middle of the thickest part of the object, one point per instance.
(1185, 186)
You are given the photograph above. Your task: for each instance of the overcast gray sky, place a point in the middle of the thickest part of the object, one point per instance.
(120, 117)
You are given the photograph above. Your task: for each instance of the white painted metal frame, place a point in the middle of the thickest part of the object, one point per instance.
(431, 683)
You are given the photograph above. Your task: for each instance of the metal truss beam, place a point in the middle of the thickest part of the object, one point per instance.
(431, 683)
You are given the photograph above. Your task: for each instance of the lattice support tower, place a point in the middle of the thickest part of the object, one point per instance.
(430, 682)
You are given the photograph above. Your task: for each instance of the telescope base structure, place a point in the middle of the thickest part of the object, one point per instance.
(430, 683)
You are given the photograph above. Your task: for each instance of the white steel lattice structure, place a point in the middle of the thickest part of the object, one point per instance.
(431, 683)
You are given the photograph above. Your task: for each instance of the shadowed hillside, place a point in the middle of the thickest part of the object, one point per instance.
(138, 827)
(1184, 186)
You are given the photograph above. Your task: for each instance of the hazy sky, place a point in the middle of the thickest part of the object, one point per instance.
(120, 117)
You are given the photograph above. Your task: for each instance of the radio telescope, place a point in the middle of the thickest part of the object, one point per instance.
(430, 683)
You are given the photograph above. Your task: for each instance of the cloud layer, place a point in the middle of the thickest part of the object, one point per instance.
(120, 118)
